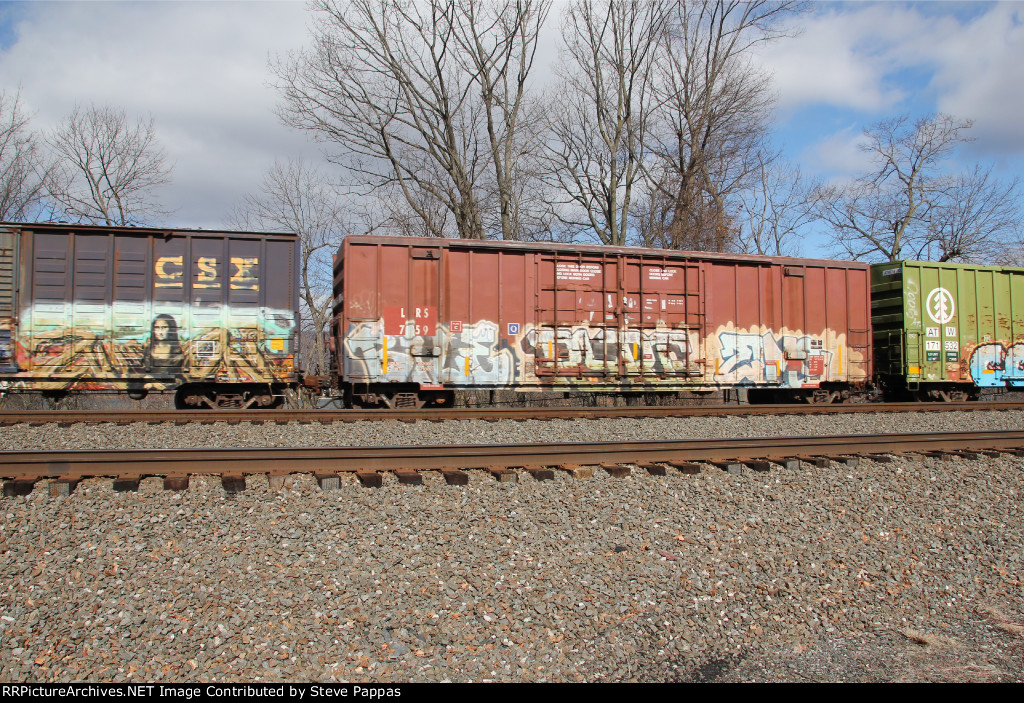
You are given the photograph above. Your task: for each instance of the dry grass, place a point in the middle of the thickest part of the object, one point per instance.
(1002, 621)
(928, 640)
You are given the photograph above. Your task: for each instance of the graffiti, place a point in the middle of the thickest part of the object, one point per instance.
(784, 360)
(913, 310)
(142, 351)
(993, 364)
(479, 355)
(476, 356)
(746, 352)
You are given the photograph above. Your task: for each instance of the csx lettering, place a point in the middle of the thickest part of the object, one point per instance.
(206, 273)
(243, 278)
(169, 271)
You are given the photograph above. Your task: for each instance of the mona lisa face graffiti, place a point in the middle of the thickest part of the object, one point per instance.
(160, 330)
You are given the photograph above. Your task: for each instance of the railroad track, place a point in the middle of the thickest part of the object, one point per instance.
(182, 417)
(22, 469)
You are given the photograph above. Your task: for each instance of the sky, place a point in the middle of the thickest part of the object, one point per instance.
(200, 69)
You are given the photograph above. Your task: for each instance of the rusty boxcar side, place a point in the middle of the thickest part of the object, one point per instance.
(211, 315)
(416, 319)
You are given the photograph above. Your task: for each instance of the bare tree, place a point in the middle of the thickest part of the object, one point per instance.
(423, 100)
(597, 148)
(712, 117)
(499, 43)
(107, 168)
(973, 217)
(22, 164)
(885, 213)
(295, 197)
(774, 210)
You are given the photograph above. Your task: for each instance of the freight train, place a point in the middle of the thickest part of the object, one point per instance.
(213, 317)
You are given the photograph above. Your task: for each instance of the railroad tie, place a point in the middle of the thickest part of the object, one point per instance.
(966, 454)
(756, 464)
(233, 483)
(18, 487)
(454, 477)
(732, 467)
(616, 470)
(541, 473)
(653, 469)
(685, 467)
(789, 463)
(175, 483)
(370, 479)
(126, 485)
(408, 477)
(328, 481)
(577, 471)
(62, 487)
(502, 474)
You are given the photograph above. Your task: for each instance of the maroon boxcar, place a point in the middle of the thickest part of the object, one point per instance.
(212, 316)
(416, 319)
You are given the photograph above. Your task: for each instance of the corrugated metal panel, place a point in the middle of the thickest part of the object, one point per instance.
(938, 323)
(8, 270)
(106, 307)
(9, 238)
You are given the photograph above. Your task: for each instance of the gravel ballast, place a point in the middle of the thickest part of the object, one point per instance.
(909, 570)
(361, 434)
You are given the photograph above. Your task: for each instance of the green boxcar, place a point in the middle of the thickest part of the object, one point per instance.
(943, 331)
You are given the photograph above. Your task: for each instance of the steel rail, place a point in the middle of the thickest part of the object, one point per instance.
(34, 465)
(9, 417)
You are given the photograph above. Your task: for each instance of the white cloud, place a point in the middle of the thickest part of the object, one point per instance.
(981, 76)
(200, 69)
(838, 153)
(864, 62)
(839, 59)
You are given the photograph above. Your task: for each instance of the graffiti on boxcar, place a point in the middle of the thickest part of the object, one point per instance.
(913, 309)
(478, 354)
(787, 359)
(993, 364)
(154, 353)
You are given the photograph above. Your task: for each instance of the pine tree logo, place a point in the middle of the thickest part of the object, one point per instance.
(940, 306)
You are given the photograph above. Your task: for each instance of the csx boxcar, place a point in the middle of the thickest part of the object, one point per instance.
(416, 319)
(210, 315)
(945, 331)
